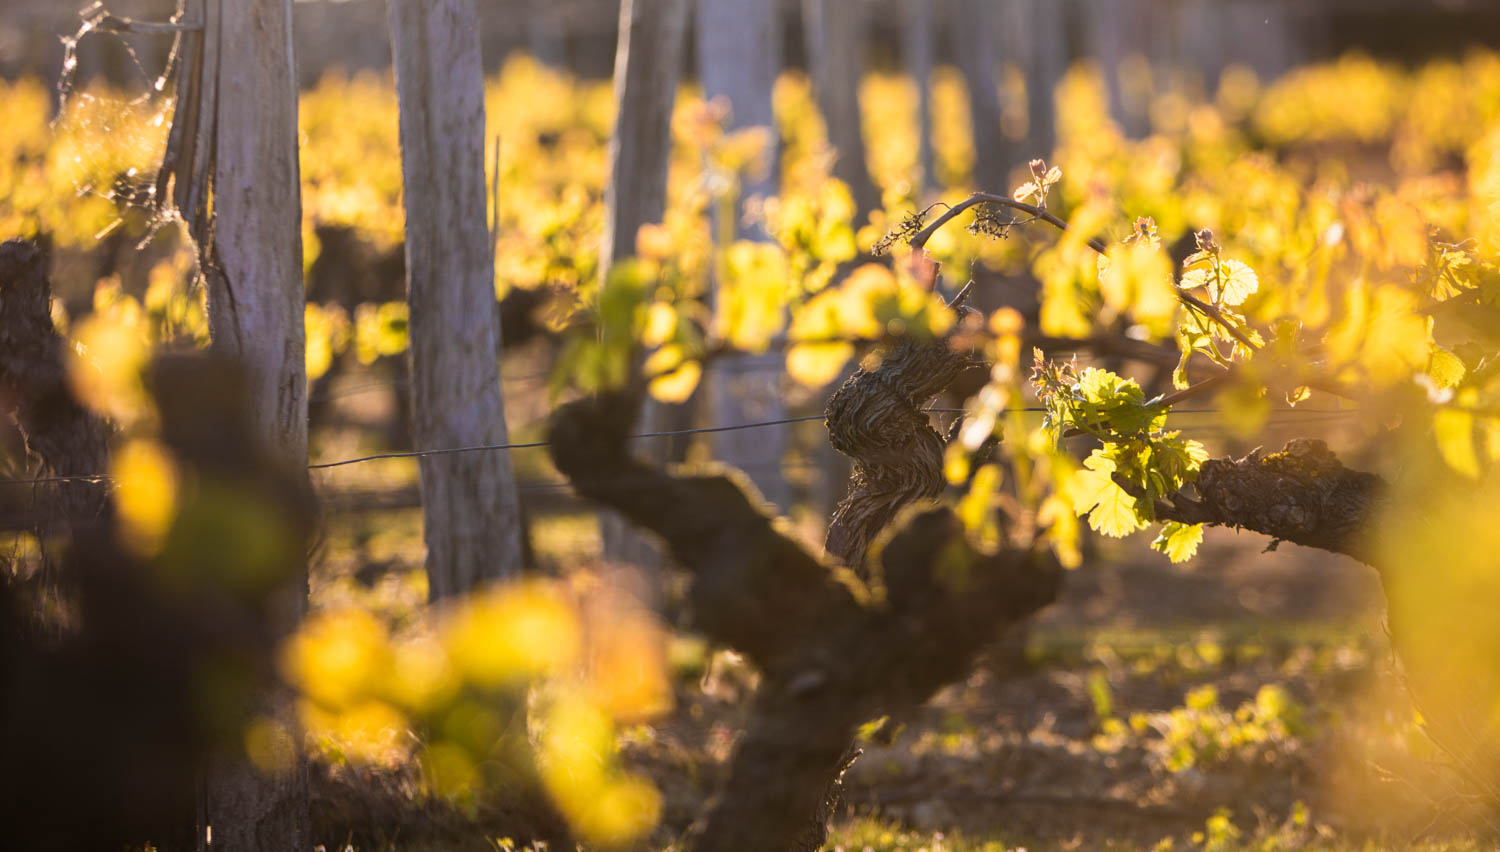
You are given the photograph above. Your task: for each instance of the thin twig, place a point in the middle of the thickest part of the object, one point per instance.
(1098, 245)
(1214, 314)
(977, 198)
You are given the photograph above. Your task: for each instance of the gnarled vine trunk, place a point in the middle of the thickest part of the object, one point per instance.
(834, 650)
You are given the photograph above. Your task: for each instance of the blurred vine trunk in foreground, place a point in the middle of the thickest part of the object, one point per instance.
(164, 662)
(648, 61)
(739, 57)
(471, 513)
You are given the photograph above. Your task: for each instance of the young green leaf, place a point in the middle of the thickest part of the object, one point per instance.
(1178, 541)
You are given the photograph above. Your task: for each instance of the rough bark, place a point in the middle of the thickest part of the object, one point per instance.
(471, 514)
(739, 56)
(876, 420)
(648, 61)
(834, 32)
(255, 275)
(835, 650)
(67, 438)
(833, 654)
(252, 261)
(1302, 494)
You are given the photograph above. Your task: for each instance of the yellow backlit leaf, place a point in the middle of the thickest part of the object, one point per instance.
(975, 509)
(955, 464)
(750, 297)
(623, 811)
(380, 330)
(1179, 541)
(420, 674)
(653, 241)
(369, 732)
(664, 360)
(1057, 517)
(677, 385)
(104, 367)
(327, 330)
(511, 634)
(817, 364)
(1445, 368)
(661, 324)
(1235, 283)
(627, 665)
(146, 487)
(1006, 321)
(1138, 278)
(1111, 511)
(1454, 430)
(337, 656)
(1399, 338)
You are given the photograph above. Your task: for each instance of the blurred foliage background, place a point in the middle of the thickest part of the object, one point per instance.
(1239, 700)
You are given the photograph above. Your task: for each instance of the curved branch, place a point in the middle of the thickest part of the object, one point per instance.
(922, 236)
(1302, 494)
(920, 240)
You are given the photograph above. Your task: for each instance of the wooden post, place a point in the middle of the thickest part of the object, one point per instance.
(978, 60)
(739, 55)
(471, 514)
(648, 61)
(835, 36)
(917, 50)
(253, 269)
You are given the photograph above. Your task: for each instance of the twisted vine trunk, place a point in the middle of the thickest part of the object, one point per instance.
(875, 419)
(834, 650)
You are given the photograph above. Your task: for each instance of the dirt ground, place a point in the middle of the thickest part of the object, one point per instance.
(1020, 751)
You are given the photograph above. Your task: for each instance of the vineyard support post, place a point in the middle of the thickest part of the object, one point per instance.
(471, 513)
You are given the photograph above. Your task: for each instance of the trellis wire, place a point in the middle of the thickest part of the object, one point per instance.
(667, 434)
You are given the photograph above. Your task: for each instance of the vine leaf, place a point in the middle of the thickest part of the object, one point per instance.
(1178, 541)
(1111, 511)
(817, 364)
(1454, 430)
